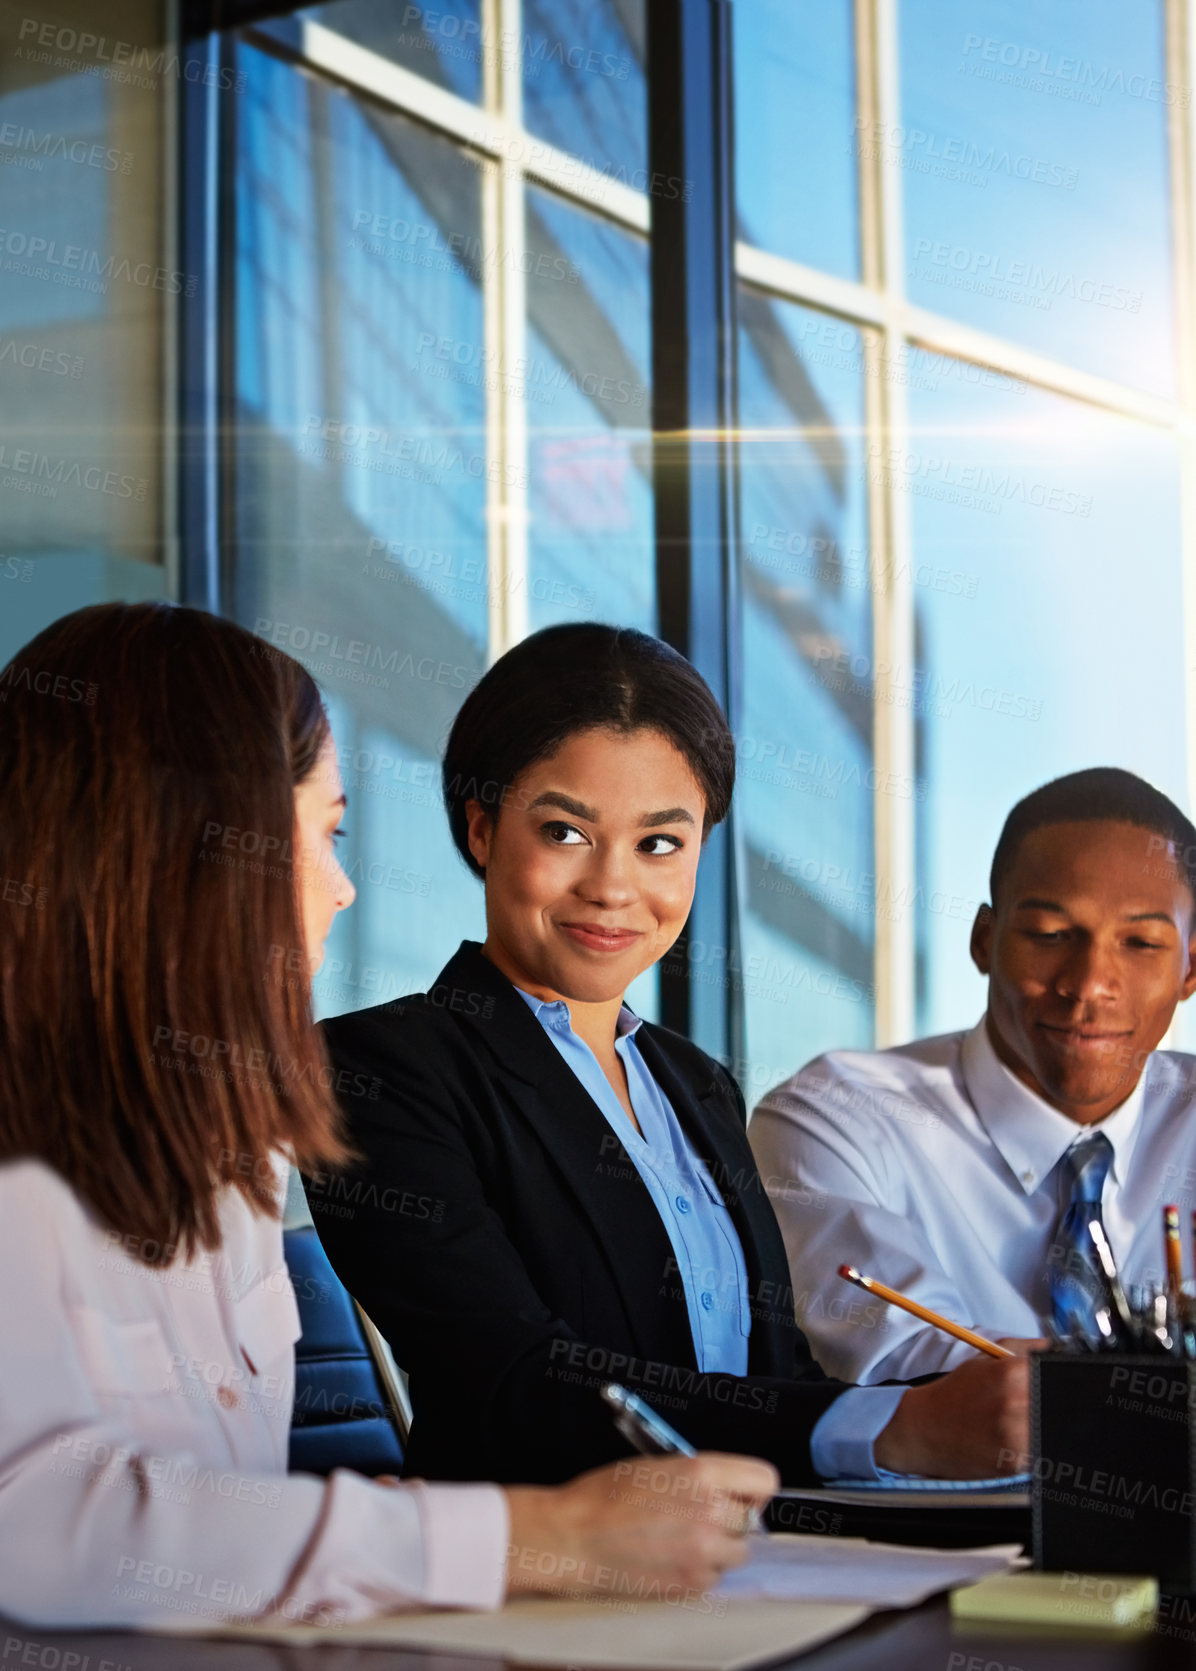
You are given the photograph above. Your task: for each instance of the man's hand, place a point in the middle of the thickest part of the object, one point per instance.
(1022, 1348)
(676, 1522)
(972, 1424)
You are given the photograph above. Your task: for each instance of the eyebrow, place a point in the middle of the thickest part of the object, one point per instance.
(670, 815)
(553, 797)
(579, 809)
(1033, 904)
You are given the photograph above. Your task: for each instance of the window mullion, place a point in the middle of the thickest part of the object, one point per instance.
(887, 425)
(505, 313)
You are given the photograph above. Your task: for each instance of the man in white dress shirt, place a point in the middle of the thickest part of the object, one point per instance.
(963, 1170)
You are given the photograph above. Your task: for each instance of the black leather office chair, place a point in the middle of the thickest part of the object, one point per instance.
(350, 1409)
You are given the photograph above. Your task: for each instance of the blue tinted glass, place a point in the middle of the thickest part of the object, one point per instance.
(795, 131)
(415, 901)
(583, 82)
(590, 534)
(446, 43)
(361, 477)
(805, 780)
(1033, 155)
(83, 282)
(1048, 596)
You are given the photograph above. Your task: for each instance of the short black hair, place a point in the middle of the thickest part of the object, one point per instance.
(1105, 793)
(582, 676)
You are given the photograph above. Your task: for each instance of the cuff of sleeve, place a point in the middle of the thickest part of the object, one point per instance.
(841, 1443)
(466, 1532)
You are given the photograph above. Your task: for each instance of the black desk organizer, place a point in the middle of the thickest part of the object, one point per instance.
(1114, 1488)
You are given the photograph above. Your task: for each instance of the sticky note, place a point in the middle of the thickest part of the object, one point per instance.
(1079, 1598)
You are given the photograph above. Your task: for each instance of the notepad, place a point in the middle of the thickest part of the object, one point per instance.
(606, 1634)
(795, 1567)
(1042, 1598)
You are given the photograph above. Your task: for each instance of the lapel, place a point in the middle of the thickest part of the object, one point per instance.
(714, 1127)
(595, 1167)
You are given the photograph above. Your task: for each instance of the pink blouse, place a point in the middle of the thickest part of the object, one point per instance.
(144, 1415)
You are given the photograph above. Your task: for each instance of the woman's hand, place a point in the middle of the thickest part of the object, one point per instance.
(657, 1527)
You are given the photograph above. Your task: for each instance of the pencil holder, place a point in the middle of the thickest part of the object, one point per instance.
(1114, 1488)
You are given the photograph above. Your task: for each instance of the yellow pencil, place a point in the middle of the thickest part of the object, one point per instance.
(1173, 1250)
(968, 1336)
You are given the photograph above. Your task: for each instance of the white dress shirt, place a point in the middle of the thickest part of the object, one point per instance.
(144, 1415)
(935, 1170)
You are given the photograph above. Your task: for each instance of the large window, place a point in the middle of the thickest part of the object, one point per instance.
(976, 280)
(442, 397)
(87, 297)
(398, 315)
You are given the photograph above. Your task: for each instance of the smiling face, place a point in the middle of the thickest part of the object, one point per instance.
(590, 866)
(1088, 952)
(322, 886)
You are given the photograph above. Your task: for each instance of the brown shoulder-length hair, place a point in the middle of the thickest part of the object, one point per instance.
(157, 1043)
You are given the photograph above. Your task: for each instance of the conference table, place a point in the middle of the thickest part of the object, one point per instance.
(917, 1639)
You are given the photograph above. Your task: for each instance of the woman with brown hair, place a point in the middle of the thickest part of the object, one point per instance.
(171, 803)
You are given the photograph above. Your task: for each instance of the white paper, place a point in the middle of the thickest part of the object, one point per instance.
(794, 1567)
(709, 1635)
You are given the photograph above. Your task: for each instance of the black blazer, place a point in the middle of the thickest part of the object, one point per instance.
(502, 1240)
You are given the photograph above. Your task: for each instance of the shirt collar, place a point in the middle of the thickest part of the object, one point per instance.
(553, 1014)
(1030, 1135)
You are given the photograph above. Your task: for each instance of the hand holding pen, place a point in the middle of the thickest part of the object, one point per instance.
(651, 1435)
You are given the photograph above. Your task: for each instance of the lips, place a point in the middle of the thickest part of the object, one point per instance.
(1081, 1038)
(596, 937)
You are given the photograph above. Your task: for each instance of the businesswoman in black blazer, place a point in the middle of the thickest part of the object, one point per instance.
(553, 1195)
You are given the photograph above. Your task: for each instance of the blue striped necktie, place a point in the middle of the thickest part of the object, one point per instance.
(1076, 1285)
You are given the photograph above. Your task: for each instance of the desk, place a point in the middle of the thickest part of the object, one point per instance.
(920, 1639)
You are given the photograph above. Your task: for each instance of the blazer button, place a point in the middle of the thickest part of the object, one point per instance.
(228, 1398)
(682, 1203)
(707, 1300)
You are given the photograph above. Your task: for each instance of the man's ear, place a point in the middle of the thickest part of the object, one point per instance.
(479, 828)
(981, 946)
(1189, 984)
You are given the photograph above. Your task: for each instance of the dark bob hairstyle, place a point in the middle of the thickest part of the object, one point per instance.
(153, 1054)
(581, 677)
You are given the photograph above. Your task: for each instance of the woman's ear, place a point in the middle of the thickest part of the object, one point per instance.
(479, 827)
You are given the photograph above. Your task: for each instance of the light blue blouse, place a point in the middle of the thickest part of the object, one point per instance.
(706, 1246)
(706, 1249)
